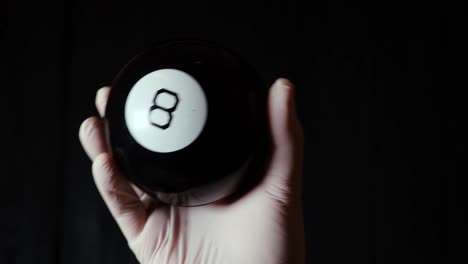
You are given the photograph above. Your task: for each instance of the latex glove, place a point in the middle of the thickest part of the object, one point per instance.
(263, 226)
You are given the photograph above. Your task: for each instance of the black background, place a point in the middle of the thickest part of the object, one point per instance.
(379, 91)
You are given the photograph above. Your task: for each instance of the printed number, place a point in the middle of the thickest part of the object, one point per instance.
(157, 110)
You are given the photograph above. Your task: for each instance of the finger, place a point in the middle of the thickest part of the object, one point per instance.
(284, 170)
(101, 100)
(91, 136)
(145, 198)
(119, 196)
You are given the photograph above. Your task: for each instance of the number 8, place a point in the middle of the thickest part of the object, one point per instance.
(167, 110)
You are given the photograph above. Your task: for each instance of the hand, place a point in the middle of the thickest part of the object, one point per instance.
(265, 225)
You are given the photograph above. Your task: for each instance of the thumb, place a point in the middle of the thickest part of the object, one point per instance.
(284, 171)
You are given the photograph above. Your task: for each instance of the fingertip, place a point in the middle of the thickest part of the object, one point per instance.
(284, 82)
(289, 89)
(88, 125)
(102, 158)
(87, 128)
(91, 136)
(289, 101)
(102, 95)
(103, 165)
(102, 91)
(283, 93)
(282, 112)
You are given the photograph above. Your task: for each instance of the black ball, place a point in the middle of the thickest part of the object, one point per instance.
(186, 122)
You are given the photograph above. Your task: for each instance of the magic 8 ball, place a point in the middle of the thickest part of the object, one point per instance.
(186, 121)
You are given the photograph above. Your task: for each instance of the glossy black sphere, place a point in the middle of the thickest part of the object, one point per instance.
(234, 135)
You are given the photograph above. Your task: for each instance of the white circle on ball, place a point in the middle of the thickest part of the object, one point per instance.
(166, 110)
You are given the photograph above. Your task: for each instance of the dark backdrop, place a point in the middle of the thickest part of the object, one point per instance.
(376, 93)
